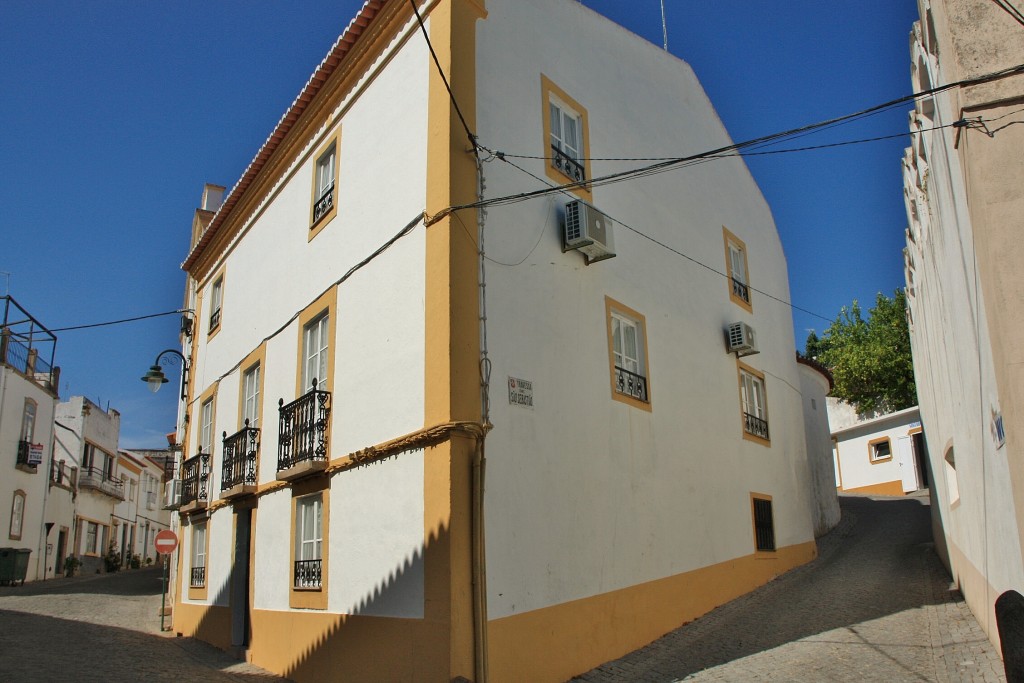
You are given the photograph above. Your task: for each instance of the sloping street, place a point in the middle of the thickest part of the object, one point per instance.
(103, 627)
(875, 605)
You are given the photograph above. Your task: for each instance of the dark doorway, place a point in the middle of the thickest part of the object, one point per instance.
(240, 579)
(922, 459)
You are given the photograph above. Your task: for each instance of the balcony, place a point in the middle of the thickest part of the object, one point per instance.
(61, 474)
(755, 426)
(215, 319)
(195, 475)
(241, 462)
(740, 290)
(631, 384)
(324, 204)
(100, 480)
(308, 574)
(302, 441)
(566, 165)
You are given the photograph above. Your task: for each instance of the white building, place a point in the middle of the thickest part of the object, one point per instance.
(28, 395)
(87, 438)
(882, 454)
(347, 375)
(964, 189)
(141, 514)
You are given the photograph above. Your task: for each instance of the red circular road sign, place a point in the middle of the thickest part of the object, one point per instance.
(166, 541)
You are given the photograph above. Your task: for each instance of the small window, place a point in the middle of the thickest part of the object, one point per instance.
(764, 524)
(315, 353)
(251, 396)
(91, 537)
(325, 187)
(216, 298)
(206, 426)
(627, 345)
(736, 267)
(754, 404)
(880, 449)
(197, 577)
(566, 141)
(308, 541)
(28, 421)
(88, 457)
(17, 515)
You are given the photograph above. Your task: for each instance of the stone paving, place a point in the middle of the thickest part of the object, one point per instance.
(104, 628)
(876, 605)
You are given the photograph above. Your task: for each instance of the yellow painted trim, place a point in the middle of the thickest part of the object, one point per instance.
(257, 357)
(123, 463)
(558, 642)
(547, 89)
(305, 598)
(742, 367)
(889, 488)
(915, 430)
(315, 226)
(610, 305)
(753, 523)
(211, 331)
(326, 303)
(728, 237)
(209, 395)
(871, 450)
(451, 338)
(199, 592)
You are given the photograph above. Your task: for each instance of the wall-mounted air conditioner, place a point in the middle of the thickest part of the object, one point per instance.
(172, 494)
(588, 231)
(741, 339)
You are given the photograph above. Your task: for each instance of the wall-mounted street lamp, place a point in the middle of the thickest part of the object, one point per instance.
(155, 377)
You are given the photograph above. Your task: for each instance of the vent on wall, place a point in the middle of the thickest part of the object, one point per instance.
(741, 339)
(588, 231)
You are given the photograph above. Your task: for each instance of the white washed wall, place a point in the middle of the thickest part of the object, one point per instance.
(585, 494)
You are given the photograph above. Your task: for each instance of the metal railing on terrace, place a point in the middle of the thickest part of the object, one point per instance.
(241, 451)
(195, 472)
(101, 480)
(302, 428)
(26, 345)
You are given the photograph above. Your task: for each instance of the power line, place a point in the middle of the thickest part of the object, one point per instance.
(1007, 7)
(440, 71)
(118, 322)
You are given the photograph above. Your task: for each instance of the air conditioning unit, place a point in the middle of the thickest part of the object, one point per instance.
(588, 231)
(172, 494)
(741, 339)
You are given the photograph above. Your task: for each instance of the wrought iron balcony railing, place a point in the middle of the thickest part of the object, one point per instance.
(195, 472)
(630, 384)
(101, 480)
(197, 578)
(308, 573)
(741, 290)
(215, 319)
(22, 457)
(755, 425)
(240, 458)
(303, 429)
(567, 165)
(324, 204)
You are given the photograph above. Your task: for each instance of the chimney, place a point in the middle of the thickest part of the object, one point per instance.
(213, 197)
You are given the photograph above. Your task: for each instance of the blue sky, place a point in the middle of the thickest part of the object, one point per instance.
(115, 113)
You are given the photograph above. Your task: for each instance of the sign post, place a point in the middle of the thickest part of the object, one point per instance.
(165, 543)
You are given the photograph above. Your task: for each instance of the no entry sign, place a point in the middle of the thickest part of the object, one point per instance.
(166, 541)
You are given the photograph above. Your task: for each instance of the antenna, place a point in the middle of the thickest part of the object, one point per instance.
(664, 26)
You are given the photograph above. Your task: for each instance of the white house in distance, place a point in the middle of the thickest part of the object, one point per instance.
(87, 436)
(356, 367)
(877, 454)
(964, 191)
(28, 396)
(140, 515)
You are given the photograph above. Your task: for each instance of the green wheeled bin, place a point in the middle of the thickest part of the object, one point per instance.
(13, 565)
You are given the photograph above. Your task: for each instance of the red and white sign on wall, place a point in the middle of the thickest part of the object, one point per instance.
(165, 542)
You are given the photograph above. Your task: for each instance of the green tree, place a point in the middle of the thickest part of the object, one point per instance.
(814, 346)
(870, 359)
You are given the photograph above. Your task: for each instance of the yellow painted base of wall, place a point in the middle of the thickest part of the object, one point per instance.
(978, 593)
(559, 642)
(313, 646)
(889, 488)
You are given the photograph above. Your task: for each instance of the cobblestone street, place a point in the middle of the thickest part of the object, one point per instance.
(103, 627)
(875, 605)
